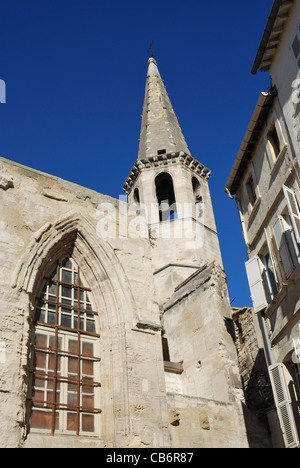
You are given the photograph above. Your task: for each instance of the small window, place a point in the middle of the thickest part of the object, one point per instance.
(196, 190)
(165, 197)
(269, 276)
(136, 195)
(274, 142)
(165, 348)
(162, 151)
(250, 186)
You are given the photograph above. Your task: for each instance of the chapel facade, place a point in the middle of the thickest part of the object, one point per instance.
(115, 316)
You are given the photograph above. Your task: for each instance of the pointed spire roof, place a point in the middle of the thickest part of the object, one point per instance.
(160, 130)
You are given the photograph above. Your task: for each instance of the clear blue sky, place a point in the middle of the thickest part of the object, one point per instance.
(75, 73)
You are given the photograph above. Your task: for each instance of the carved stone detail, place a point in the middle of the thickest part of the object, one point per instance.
(6, 181)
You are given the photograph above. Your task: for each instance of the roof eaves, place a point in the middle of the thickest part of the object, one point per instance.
(250, 140)
(271, 45)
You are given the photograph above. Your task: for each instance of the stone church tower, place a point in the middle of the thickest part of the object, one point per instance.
(115, 316)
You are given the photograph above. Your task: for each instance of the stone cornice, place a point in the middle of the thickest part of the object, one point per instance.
(164, 160)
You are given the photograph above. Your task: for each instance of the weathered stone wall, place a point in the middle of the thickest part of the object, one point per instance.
(255, 378)
(199, 422)
(44, 218)
(252, 363)
(208, 392)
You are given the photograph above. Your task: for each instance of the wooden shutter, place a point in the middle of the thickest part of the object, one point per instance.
(254, 273)
(283, 405)
(271, 255)
(283, 248)
(293, 210)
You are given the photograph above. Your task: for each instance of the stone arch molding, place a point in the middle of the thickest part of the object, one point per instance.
(73, 234)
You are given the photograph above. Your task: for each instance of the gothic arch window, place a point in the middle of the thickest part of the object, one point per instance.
(64, 359)
(165, 196)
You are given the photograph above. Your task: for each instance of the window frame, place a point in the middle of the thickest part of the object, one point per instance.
(274, 144)
(62, 379)
(273, 158)
(269, 274)
(251, 191)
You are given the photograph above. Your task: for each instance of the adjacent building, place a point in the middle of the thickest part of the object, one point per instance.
(264, 181)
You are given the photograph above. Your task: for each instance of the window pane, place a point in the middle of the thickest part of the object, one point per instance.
(88, 402)
(88, 349)
(40, 360)
(52, 289)
(51, 317)
(73, 346)
(71, 421)
(51, 362)
(88, 423)
(90, 326)
(66, 263)
(41, 419)
(41, 340)
(66, 291)
(87, 367)
(73, 365)
(66, 320)
(72, 399)
(39, 315)
(66, 276)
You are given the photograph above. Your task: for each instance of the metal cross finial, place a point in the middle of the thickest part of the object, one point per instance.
(151, 51)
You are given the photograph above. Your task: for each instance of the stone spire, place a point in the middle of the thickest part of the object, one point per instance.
(160, 130)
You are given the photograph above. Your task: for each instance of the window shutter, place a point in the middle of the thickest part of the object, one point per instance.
(293, 210)
(283, 405)
(271, 255)
(254, 273)
(283, 248)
